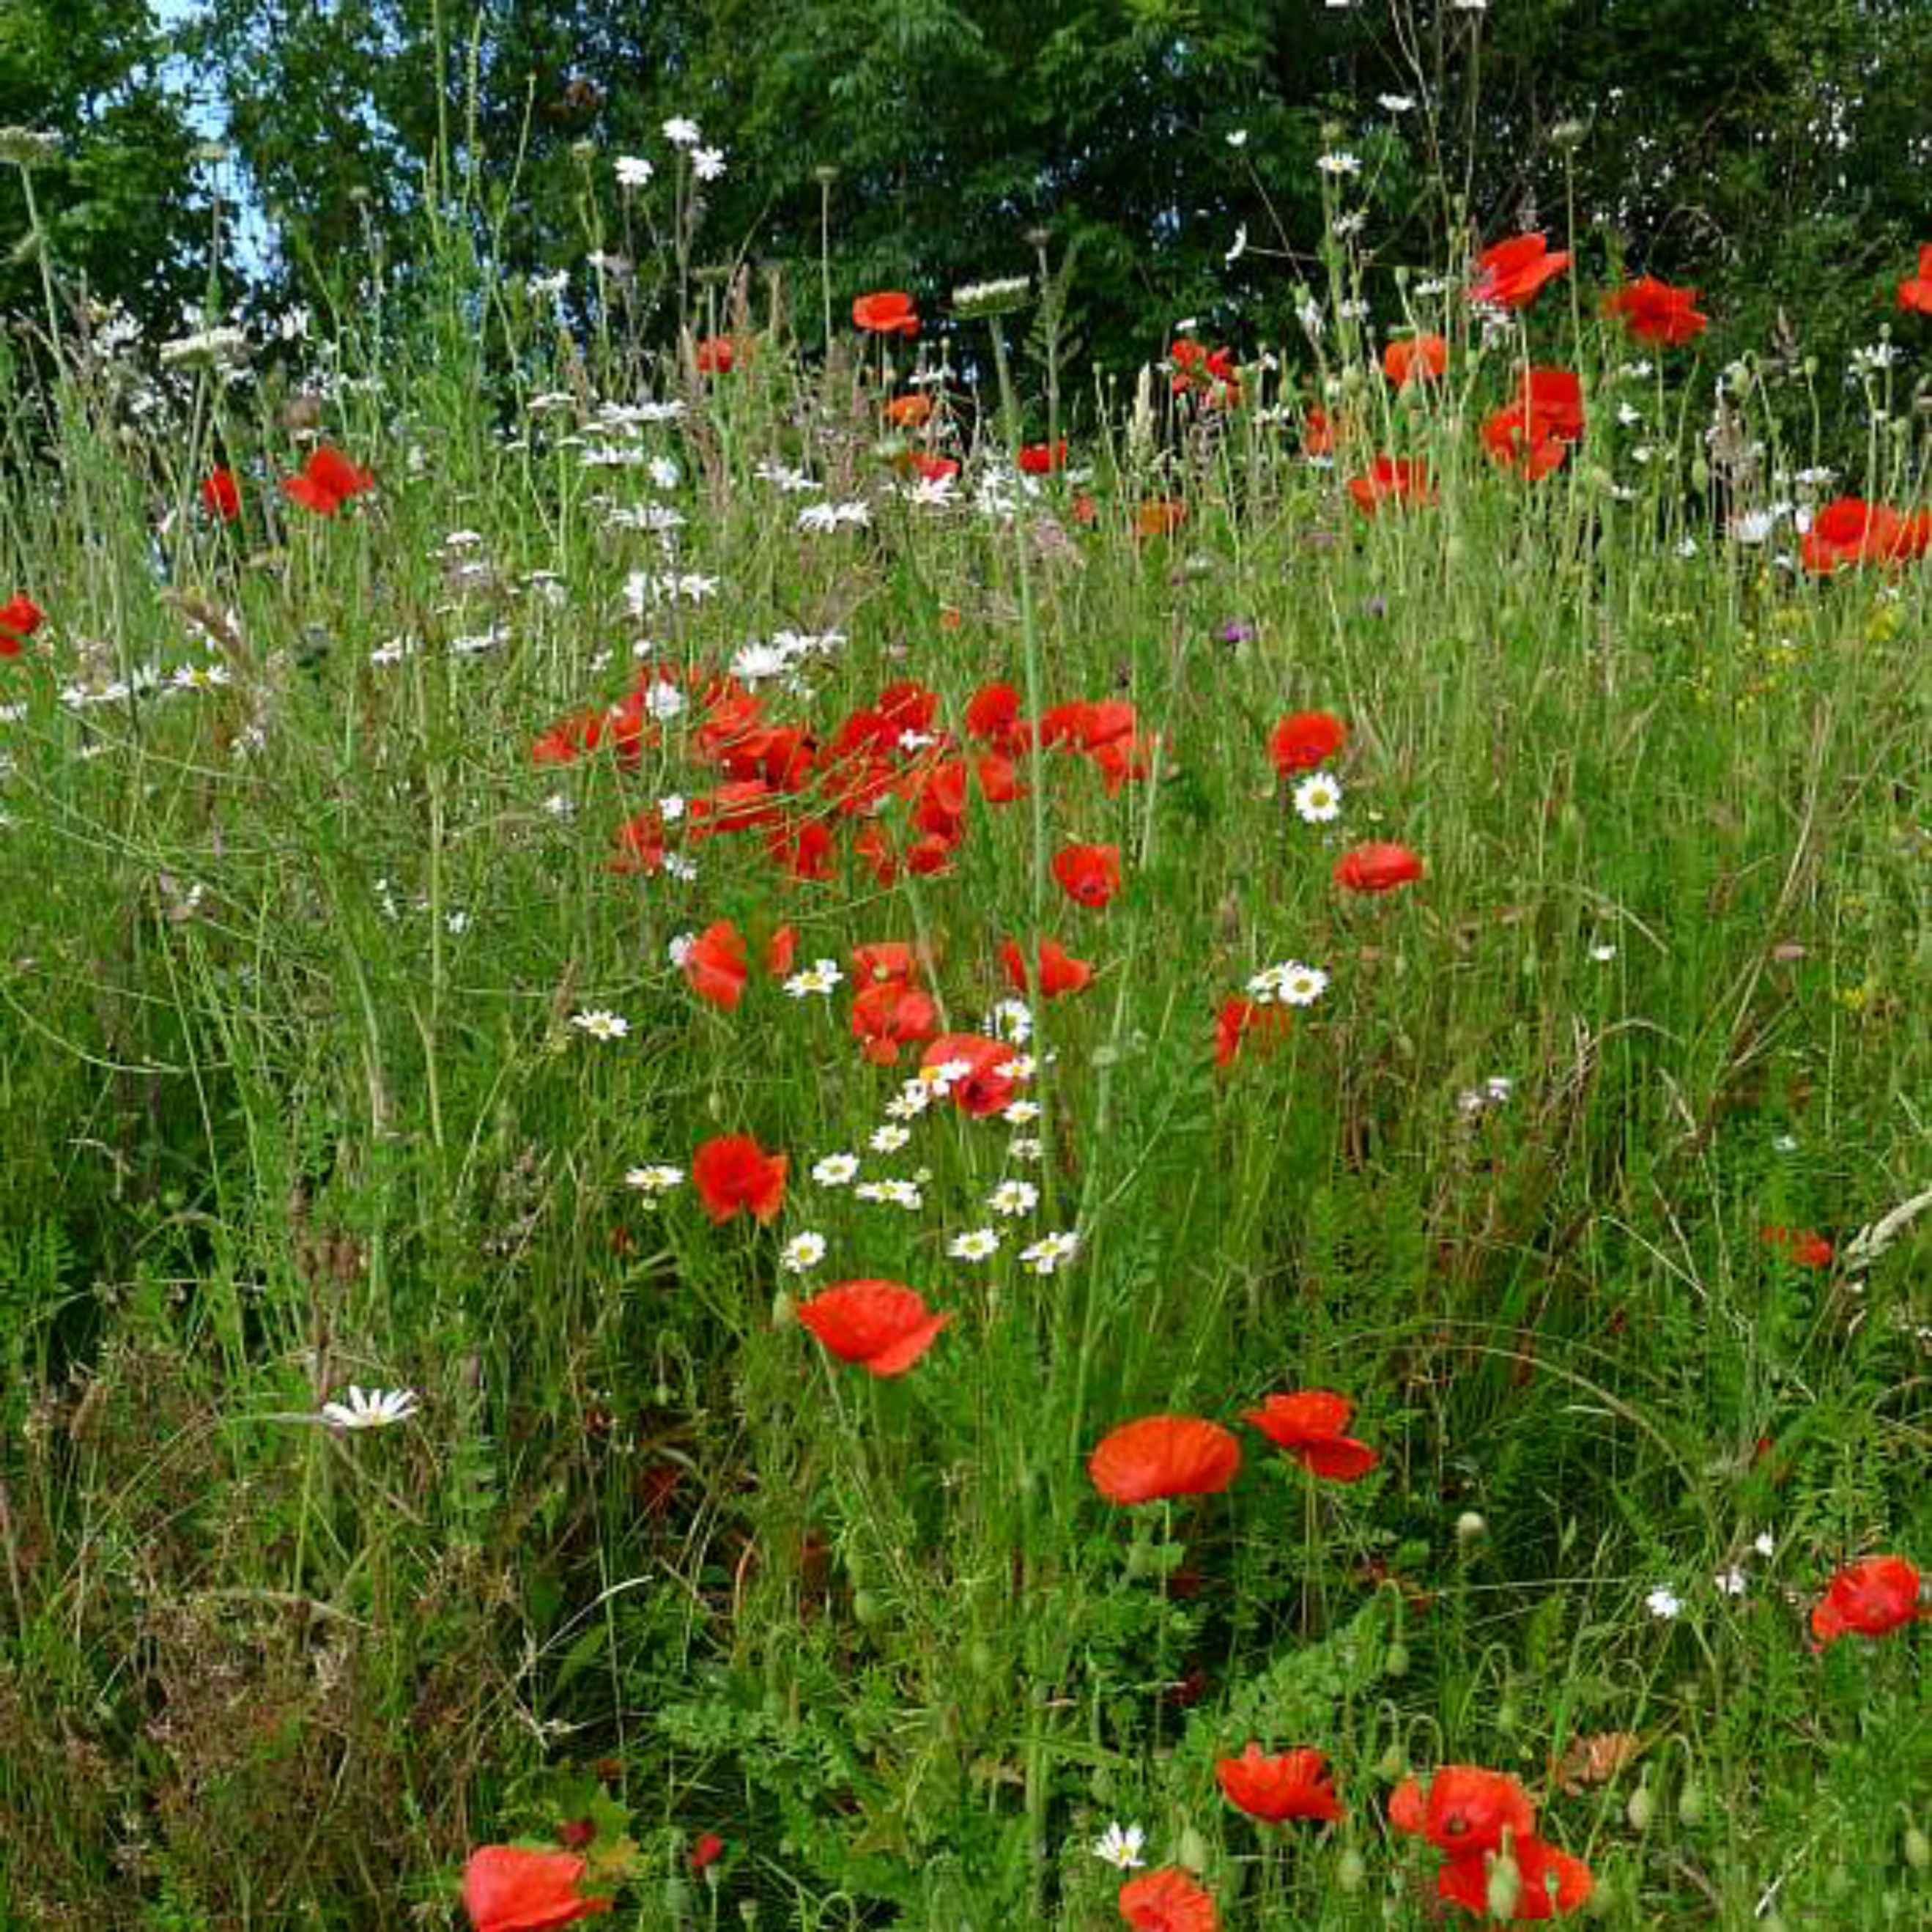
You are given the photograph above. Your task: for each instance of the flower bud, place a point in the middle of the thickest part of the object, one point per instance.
(1352, 1871)
(1470, 1527)
(1690, 1803)
(1191, 1850)
(1640, 1809)
(1918, 1849)
(1395, 1663)
(1504, 1892)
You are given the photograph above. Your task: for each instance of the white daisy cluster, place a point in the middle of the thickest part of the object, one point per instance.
(1288, 984)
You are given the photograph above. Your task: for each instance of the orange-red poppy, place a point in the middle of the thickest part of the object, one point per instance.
(734, 1175)
(1310, 1426)
(882, 1326)
(221, 495)
(1377, 867)
(1237, 1018)
(1392, 479)
(1059, 972)
(1305, 739)
(506, 1888)
(890, 312)
(1509, 274)
(1089, 875)
(1916, 291)
(1655, 312)
(1295, 1784)
(1870, 1597)
(977, 1084)
(1415, 358)
(1167, 1901)
(1162, 1456)
(20, 617)
(326, 481)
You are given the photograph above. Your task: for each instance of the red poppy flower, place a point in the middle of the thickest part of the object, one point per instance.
(1305, 739)
(891, 1014)
(1294, 1785)
(883, 1326)
(1060, 972)
(1534, 432)
(708, 1850)
(20, 617)
(1509, 274)
(1415, 358)
(1167, 1901)
(981, 1088)
(1392, 479)
(1916, 292)
(1550, 1882)
(221, 495)
(909, 411)
(1043, 459)
(993, 716)
(1159, 517)
(717, 355)
(1465, 1809)
(1308, 1425)
(1089, 875)
(508, 1889)
(714, 964)
(884, 959)
(1317, 432)
(1238, 1018)
(326, 481)
(1377, 868)
(1874, 1595)
(733, 1175)
(1164, 1456)
(888, 313)
(1653, 311)
(1803, 1246)
(1849, 531)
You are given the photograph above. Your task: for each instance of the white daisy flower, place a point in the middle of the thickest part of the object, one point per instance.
(1338, 164)
(1011, 1021)
(1664, 1604)
(1026, 1148)
(1122, 1845)
(835, 1170)
(371, 1408)
(980, 1244)
(600, 1023)
(820, 977)
(1302, 986)
(681, 131)
(1022, 1113)
(1013, 1198)
(634, 171)
(1046, 1254)
(888, 1139)
(894, 1193)
(802, 1253)
(1318, 798)
(912, 1100)
(654, 1179)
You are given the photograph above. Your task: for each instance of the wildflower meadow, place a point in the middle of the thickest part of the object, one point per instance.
(856, 1126)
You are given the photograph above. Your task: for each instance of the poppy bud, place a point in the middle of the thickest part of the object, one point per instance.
(1918, 1849)
(1470, 1528)
(1395, 1662)
(1690, 1803)
(1191, 1850)
(1394, 1762)
(1352, 1871)
(866, 1607)
(1504, 1892)
(785, 1310)
(1640, 1809)
(980, 1658)
(677, 1899)
(1700, 475)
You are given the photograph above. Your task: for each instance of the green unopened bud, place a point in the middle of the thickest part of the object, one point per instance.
(1640, 1808)
(1394, 1762)
(866, 1607)
(1352, 1871)
(785, 1310)
(1470, 1527)
(1700, 475)
(1191, 1850)
(677, 1899)
(1395, 1663)
(1504, 1893)
(1918, 1849)
(1690, 1803)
